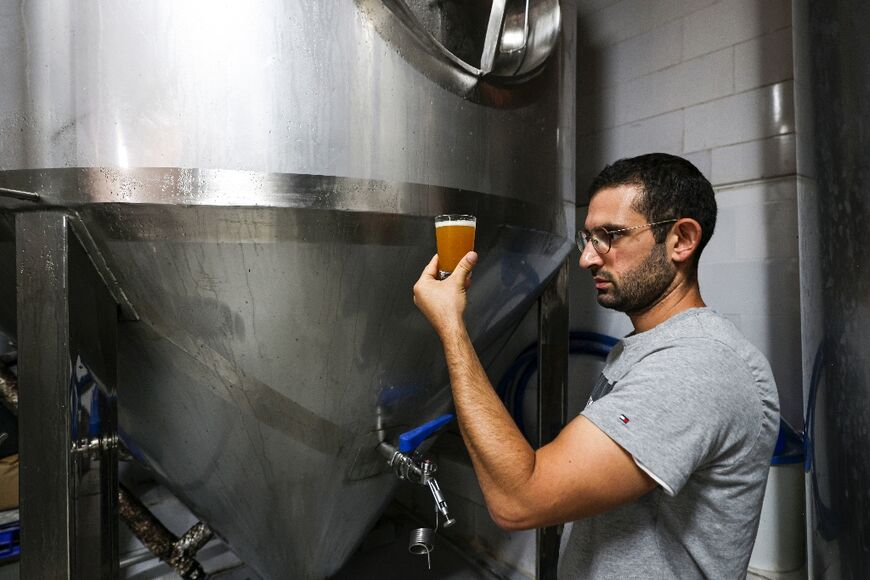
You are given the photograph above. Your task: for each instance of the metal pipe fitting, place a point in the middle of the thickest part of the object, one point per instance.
(188, 545)
(403, 465)
(177, 553)
(406, 468)
(440, 502)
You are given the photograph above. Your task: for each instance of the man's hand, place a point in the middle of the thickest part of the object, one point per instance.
(442, 302)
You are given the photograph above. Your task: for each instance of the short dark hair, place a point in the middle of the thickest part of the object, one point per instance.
(670, 188)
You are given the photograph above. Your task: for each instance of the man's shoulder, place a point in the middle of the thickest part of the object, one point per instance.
(703, 349)
(699, 323)
(700, 333)
(685, 335)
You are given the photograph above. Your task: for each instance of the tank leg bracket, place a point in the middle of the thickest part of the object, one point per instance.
(67, 374)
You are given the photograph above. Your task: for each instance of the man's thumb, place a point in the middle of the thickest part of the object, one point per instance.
(464, 267)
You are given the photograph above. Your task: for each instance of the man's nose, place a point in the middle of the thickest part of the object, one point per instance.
(589, 257)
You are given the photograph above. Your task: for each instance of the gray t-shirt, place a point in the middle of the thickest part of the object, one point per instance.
(696, 406)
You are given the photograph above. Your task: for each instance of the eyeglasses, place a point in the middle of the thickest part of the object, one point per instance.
(602, 239)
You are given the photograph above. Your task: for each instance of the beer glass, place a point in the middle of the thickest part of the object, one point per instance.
(454, 236)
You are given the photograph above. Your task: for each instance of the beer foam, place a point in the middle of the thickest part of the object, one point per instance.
(457, 223)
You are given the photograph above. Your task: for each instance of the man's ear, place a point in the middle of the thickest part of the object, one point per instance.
(686, 236)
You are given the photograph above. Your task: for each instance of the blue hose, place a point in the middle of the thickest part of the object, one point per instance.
(513, 391)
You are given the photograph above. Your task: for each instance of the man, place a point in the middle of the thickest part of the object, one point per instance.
(665, 469)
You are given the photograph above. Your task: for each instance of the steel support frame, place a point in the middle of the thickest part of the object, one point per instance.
(553, 336)
(67, 371)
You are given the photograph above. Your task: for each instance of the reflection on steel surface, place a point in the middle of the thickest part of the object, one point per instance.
(832, 49)
(18, 194)
(515, 40)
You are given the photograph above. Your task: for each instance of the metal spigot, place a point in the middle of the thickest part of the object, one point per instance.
(402, 464)
(406, 468)
(429, 468)
(407, 464)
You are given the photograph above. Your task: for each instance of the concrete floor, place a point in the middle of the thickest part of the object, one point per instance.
(383, 554)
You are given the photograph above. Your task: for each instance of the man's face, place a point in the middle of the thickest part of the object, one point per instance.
(636, 271)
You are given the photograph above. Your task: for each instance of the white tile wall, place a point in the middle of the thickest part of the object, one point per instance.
(731, 22)
(766, 192)
(689, 83)
(612, 24)
(623, 20)
(660, 133)
(636, 57)
(763, 60)
(748, 287)
(586, 7)
(771, 157)
(729, 85)
(742, 117)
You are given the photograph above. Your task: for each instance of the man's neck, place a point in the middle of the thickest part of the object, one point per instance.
(675, 300)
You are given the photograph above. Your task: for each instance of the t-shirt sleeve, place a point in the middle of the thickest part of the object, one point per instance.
(671, 409)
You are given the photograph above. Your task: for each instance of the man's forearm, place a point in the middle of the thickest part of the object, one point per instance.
(502, 458)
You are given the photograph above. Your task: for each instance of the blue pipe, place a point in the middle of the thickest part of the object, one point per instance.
(526, 364)
(410, 440)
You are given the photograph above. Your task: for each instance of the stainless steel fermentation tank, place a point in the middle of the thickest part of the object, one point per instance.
(257, 181)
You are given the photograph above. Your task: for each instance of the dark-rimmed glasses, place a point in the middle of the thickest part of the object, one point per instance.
(602, 239)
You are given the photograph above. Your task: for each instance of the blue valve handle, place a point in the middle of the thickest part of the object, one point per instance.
(410, 440)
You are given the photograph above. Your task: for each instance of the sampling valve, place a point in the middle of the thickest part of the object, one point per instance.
(407, 465)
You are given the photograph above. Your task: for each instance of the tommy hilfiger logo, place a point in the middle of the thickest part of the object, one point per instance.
(624, 419)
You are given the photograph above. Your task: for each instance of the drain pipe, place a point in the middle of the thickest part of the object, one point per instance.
(178, 553)
(408, 465)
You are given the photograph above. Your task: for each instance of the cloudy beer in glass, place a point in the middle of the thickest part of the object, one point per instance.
(454, 235)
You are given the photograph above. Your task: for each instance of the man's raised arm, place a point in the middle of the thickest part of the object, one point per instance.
(580, 473)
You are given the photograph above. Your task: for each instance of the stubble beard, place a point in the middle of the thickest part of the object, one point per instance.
(641, 288)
